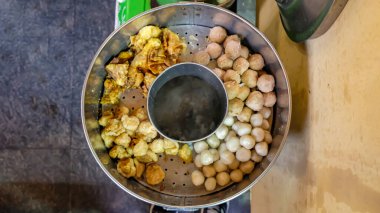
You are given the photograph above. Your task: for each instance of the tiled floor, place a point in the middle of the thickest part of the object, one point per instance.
(45, 165)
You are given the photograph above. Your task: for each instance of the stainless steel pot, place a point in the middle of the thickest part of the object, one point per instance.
(192, 21)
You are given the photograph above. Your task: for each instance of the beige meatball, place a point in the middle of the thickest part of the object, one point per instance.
(231, 38)
(219, 72)
(217, 34)
(232, 49)
(265, 125)
(266, 112)
(230, 134)
(202, 57)
(232, 89)
(221, 132)
(234, 165)
(197, 178)
(224, 62)
(261, 149)
(269, 99)
(209, 171)
(242, 128)
(249, 78)
(235, 106)
(233, 144)
(256, 157)
(247, 141)
(244, 52)
(229, 120)
(222, 178)
(227, 157)
(268, 137)
(213, 141)
(255, 101)
(220, 166)
(256, 120)
(256, 62)
(240, 65)
(245, 115)
(243, 92)
(247, 167)
(206, 157)
(258, 133)
(243, 154)
(214, 50)
(197, 161)
(265, 83)
(210, 183)
(236, 175)
(200, 146)
(231, 75)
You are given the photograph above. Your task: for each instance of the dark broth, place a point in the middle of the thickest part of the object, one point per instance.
(187, 108)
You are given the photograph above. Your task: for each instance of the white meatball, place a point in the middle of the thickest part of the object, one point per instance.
(206, 157)
(215, 154)
(261, 148)
(220, 166)
(229, 120)
(242, 128)
(210, 183)
(265, 83)
(256, 120)
(258, 133)
(221, 132)
(233, 144)
(222, 178)
(197, 178)
(243, 154)
(222, 148)
(255, 101)
(227, 157)
(213, 141)
(247, 141)
(200, 146)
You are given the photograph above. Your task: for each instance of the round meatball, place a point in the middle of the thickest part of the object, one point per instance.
(265, 83)
(256, 62)
(202, 57)
(217, 34)
(224, 62)
(214, 50)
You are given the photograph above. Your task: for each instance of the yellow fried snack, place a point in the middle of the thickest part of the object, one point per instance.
(154, 174)
(107, 115)
(172, 43)
(119, 152)
(123, 140)
(140, 114)
(148, 158)
(138, 41)
(111, 93)
(140, 168)
(146, 131)
(171, 147)
(185, 153)
(126, 167)
(114, 127)
(118, 72)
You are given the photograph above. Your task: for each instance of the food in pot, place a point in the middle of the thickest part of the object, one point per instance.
(154, 174)
(244, 136)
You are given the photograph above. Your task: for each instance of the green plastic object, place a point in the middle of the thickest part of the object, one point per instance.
(127, 9)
